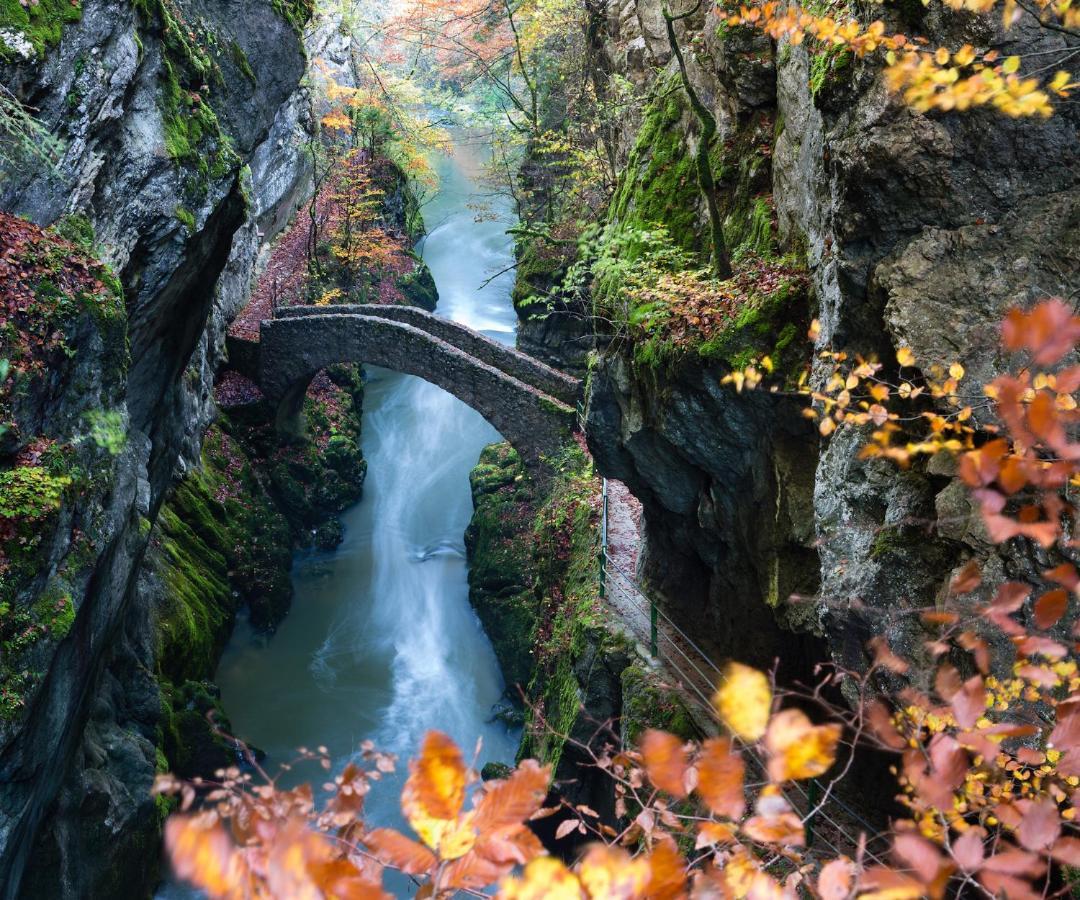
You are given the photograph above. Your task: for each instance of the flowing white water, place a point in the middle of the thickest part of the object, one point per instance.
(381, 642)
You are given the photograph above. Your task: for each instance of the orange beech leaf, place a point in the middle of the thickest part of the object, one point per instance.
(744, 701)
(508, 803)
(545, 878)
(304, 865)
(967, 579)
(202, 854)
(1000, 885)
(1050, 607)
(1044, 422)
(926, 860)
(1065, 574)
(1066, 851)
(979, 468)
(977, 647)
(881, 724)
(567, 828)
(721, 772)
(881, 883)
(969, 703)
(798, 748)
(1011, 596)
(666, 761)
(667, 873)
(775, 822)
(1049, 331)
(433, 796)
(1066, 733)
(437, 779)
(710, 833)
(472, 871)
(394, 849)
(947, 681)
(836, 880)
(1033, 644)
(1040, 826)
(884, 657)
(1016, 862)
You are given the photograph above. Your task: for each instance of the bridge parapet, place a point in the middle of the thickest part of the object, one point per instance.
(293, 348)
(504, 358)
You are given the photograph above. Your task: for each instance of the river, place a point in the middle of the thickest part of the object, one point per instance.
(381, 642)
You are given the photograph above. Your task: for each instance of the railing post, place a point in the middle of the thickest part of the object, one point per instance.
(652, 628)
(603, 542)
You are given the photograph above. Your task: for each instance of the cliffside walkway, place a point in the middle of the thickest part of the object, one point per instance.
(831, 823)
(531, 404)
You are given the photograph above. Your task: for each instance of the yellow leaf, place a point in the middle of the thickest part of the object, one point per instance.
(609, 872)
(1011, 65)
(905, 357)
(965, 55)
(434, 794)
(799, 749)
(956, 371)
(941, 57)
(815, 330)
(827, 427)
(744, 700)
(545, 878)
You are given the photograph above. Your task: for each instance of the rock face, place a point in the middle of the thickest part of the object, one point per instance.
(182, 127)
(917, 230)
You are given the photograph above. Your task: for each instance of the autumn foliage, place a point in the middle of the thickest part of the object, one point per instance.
(936, 78)
(986, 742)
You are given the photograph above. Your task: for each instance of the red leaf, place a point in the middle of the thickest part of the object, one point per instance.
(1050, 607)
(968, 850)
(967, 579)
(1041, 825)
(969, 702)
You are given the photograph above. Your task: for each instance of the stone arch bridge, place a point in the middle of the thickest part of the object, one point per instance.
(531, 404)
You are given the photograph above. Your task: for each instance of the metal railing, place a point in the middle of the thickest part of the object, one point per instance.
(672, 647)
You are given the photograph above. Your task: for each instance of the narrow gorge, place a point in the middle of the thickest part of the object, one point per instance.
(539, 448)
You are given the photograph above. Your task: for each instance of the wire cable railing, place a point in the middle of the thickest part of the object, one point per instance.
(670, 646)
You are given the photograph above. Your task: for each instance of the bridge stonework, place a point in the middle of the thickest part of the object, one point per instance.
(298, 344)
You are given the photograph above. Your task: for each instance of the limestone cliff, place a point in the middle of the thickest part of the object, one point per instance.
(914, 230)
(181, 126)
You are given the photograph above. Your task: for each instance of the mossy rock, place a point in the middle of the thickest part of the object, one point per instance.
(499, 547)
(659, 184)
(650, 703)
(41, 23)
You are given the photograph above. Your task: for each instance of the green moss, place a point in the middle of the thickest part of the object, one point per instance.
(78, 229)
(296, 12)
(42, 23)
(193, 135)
(894, 540)
(500, 550)
(659, 184)
(650, 703)
(825, 66)
(185, 217)
(239, 57)
(572, 621)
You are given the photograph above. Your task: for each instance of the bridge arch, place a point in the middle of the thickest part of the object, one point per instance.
(294, 348)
